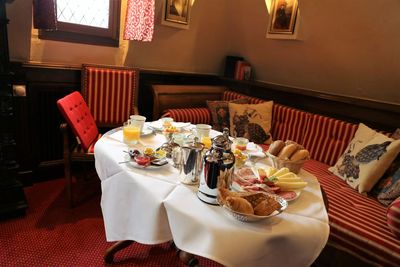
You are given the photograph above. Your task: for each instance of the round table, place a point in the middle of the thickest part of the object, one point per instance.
(152, 206)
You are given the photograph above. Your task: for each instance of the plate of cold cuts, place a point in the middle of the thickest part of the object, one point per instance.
(289, 195)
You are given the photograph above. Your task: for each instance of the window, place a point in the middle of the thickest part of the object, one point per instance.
(86, 21)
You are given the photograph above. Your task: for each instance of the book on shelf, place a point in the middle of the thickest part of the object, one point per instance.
(242, 70)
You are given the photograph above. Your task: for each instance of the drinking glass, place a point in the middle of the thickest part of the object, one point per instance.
(203, 130)
(206, 140)
(131, 133)
(138, 121)
(241, 143)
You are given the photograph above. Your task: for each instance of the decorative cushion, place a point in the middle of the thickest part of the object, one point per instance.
(366, 158)
(396, 134)
(252, 121)
(220, 112)
(192, 115)
(393, 217)
(79, 118)
(326, 138)
(388, 187)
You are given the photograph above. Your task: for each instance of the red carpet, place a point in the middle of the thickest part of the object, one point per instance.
(51, 234)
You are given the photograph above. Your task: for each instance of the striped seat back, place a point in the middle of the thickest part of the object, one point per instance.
(327, 138)
(231, 95)
(110, 92)
(288, 123)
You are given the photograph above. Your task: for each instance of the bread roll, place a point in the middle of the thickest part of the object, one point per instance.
(266, 207)
(276, 147)
(239, 204)
(300, 154)
(287, 151)
(255, 198)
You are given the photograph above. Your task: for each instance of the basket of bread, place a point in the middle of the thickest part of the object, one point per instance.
(287, 154)
(251, 206)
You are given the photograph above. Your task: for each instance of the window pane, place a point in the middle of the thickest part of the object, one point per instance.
(85, 12)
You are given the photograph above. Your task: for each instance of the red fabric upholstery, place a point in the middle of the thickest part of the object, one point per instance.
(288, 123)
(231, 95)
(110, 93)
(77, 114)
(193, 115)
(393, 217)
(327, 138)
(357, 223)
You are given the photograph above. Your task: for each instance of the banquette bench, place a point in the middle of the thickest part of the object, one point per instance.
(359, 233)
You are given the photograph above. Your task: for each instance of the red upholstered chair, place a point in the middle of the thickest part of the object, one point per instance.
(111, 93)
(80, 121)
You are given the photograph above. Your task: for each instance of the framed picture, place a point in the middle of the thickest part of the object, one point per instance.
(176, 13)
(283, 18)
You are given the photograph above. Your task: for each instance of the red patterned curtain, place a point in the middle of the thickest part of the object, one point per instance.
(139, 22)
(45, 14)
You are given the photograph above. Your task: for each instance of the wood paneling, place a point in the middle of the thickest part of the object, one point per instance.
(39, 118)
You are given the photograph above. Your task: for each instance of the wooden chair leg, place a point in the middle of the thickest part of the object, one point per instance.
(110, 252)
(67, 162)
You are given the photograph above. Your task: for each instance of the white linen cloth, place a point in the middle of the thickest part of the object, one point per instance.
(293, 238)
(131, 199)
(153, 207)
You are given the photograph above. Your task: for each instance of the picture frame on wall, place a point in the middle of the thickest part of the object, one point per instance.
(176, 13)
(284, 17)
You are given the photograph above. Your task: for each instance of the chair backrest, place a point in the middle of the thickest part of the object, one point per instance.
(110, 92)
(77, 114)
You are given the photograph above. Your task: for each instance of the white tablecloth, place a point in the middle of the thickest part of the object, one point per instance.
(151, 206)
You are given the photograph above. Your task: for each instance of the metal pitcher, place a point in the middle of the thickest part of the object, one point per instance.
(217, 168)
(189, 161)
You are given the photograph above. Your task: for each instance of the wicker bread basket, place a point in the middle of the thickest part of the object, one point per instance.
(293, 166)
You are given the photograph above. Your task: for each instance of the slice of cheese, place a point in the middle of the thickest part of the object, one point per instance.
(290, 185)
(286, 175)
(281, 172)
(289, 180)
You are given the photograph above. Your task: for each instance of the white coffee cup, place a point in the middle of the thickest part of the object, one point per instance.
(138, 120)
(203, 130)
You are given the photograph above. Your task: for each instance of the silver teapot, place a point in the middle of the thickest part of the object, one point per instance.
(188, 159)
(218, 165)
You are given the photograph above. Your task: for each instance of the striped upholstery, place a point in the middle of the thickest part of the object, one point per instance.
(193, 115)
(110, 92)
(231, 95)
(393, 217)
(289, 123)
(357, 223)
(327, 138)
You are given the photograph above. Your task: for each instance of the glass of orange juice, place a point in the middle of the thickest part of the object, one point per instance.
(206, 140)
(131, 133)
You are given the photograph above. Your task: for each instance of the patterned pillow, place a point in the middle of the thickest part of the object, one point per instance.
(393, 217)
(252, 121)
(366, 158)
(220, 112)
(388, 187)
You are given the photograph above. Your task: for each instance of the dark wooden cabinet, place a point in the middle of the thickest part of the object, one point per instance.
(12, 197)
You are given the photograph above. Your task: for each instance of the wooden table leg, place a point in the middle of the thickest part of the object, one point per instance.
(188, 259)
(110, 252)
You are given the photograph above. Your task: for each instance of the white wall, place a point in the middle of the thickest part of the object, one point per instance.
(350, 49)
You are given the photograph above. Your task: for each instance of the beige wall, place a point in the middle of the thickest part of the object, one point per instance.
(346, 50)
(200, 49)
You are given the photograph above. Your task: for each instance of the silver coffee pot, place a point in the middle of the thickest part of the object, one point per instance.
(218, 165)
(189, 161)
